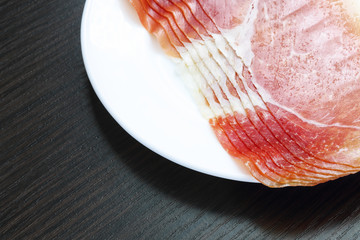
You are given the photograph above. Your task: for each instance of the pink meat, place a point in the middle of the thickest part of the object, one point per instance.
(308, 59)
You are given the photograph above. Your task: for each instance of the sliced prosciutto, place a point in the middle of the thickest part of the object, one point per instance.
(279, 81)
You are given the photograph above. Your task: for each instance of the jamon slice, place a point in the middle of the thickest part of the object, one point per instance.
(261, 113)
(273, 142)
(318, 51)
(249, 79)
(259, 140)
(322, 163)
(212, 99)
(316, 74)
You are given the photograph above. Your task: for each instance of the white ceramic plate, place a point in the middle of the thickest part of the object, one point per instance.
(139, 86)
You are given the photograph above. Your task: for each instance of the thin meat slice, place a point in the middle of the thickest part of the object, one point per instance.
(211, 100)
(315, 77)
(226, 13)
(278, 145)
(276, 128)
(156, 29)
(270, 159)
(279, 170)
(317, 62)
(273, 141)
(283, 163)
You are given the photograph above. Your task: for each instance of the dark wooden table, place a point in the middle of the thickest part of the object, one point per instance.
(69, 171)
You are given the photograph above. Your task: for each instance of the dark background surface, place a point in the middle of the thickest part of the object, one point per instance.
(69, 171)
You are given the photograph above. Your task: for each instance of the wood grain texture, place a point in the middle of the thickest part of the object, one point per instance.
(69, 171)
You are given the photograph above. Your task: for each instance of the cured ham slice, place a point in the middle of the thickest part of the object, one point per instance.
(279, 81)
